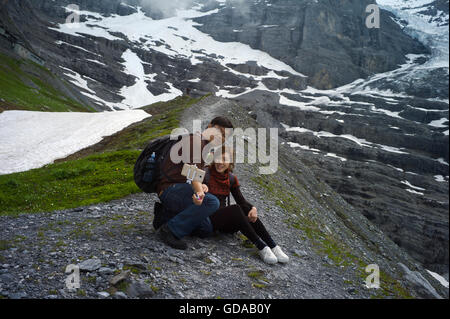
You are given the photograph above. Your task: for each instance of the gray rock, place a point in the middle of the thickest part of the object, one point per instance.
(351, 291)
(105, 271)
(299, 37)
(18, 295)
(139, 289)
(90, 264)
(119, 278)
(300, 253)
(120, 295)
(103, 294)
(6, 278)
(136, 264)
(416, 279)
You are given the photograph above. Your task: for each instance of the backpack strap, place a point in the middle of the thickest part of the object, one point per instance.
(165, 155)
(232, 179)
(207, 176)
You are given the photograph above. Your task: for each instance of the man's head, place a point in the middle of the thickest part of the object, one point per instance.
(215, 131)
(221, 121)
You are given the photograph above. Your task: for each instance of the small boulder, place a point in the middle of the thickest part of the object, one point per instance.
(119, 278)
(90, 264)
(139, 289)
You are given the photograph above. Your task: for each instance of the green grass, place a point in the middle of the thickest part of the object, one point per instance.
(99, 174)
(24, 85)
(5, 244)
(258, 276)
(94, 179)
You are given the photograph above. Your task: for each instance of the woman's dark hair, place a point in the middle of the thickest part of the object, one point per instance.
(221, 121)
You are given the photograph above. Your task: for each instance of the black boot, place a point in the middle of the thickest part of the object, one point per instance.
(166, 236)
(158, 211)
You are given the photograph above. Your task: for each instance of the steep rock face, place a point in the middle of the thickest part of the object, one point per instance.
(96, 63)
(326, 40)
(389, 174)
(106, 7)
(11, 21)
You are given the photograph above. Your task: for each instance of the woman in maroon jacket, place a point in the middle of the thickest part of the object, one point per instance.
(241, 217)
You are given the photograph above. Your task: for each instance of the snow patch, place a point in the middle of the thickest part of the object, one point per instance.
(359, 141)
(138, 95)
(54, 135)
(414, 192)
(439, 278)
(412, 186)
(439, 178)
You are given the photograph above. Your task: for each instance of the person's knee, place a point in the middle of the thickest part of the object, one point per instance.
(177, 197)
(211, 202)
(237, 211)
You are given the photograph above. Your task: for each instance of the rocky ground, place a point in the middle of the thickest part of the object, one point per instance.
(117, 237)
(119, 256)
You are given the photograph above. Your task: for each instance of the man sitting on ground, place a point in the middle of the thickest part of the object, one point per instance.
(188, 206)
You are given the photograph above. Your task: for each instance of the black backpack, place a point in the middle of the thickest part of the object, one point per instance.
(147, 170)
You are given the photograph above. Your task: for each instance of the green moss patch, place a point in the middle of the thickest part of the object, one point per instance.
(94, 179)
(24, 85)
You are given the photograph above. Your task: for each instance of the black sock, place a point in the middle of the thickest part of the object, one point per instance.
(259, 244)
(263, 233)
(270, 243)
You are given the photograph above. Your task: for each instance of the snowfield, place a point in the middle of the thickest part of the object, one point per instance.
(181, 39)
(430, 30)
(33, 139)
(439, 278)
(138, 95)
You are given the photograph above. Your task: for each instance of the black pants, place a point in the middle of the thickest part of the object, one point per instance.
(231, 219)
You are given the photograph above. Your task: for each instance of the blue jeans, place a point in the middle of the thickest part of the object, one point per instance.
(189, 217)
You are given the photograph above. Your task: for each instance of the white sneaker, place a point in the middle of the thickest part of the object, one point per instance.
(268, 256)
(281, 256)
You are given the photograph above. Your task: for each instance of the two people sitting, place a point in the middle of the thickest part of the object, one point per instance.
(200, 209)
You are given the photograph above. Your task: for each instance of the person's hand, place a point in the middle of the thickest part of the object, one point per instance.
(205, 188)
(253, 215)
(198, 200)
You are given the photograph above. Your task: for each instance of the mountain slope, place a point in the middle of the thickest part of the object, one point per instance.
(175, 53)
(329, 243)
(378, 139)
(326, 40)
(25, 81)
